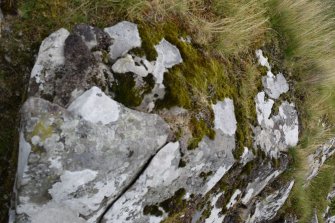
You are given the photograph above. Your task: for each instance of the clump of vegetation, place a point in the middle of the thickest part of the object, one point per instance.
(152, 210)
(175, 203)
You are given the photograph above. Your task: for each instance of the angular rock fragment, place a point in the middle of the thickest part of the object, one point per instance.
(168, 56)
(225, 117)
(275, 85)
(50, 59)
(267, 208)
(128, 64)
(76, 166)
(277, 133)
(211, 156)
(125, 37)
(317, 159)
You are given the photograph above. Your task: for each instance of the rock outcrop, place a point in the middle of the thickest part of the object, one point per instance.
(86, 157)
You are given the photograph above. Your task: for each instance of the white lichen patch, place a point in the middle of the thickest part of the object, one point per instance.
(125, 37)
(70, 183)
(247, 156)
(95, 106)
(224, 116)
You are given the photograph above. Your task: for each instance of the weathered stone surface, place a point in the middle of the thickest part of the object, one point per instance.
(275, 85)
(128, 64)
(95, 106)
(50, 59)
(280, 132)
(168, 56)
(225, 117)
(260, 182)
(317, 159)
(262, 60)
(75, 167)
(125, 37)
(267, 208)
(163, 177)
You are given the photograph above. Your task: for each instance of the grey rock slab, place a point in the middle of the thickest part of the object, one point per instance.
(128, 64)
(95, 106)
(276, 133)
(50, 58)
(225, 116)
(163, 177)
(275, 85)
(168, 56)
(77, 167)
(262, 60)
(266, 176)
(125, 37)
(319, 157)
(268, 208)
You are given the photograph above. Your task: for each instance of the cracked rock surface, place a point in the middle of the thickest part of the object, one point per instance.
(85, 157)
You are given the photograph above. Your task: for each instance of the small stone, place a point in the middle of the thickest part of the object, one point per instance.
(125, 37)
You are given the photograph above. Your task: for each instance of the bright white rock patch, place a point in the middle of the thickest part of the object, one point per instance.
(224, 119)
(95, 106)
(262, 60)
(125, 37)
(168, 56)
(263, 110)
(70, 182)
(275, 85)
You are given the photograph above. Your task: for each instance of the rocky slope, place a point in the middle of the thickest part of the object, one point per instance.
(85, 157)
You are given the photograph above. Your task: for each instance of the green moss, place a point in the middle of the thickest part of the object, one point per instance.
(42, 131)
(182, 163)
(175, 203)
(152, 210)
(205, 175)
(125, 90)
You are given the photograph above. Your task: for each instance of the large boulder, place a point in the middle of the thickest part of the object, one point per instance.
(75, 162)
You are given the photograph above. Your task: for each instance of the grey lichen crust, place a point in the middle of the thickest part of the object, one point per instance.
(85, 157)
(81, 165)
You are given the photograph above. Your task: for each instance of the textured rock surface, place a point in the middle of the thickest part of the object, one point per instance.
(275, 133)
(125, 37)
(163, 177)
(87, 158)
(267, 209)
(317, 159)
(79, 165)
